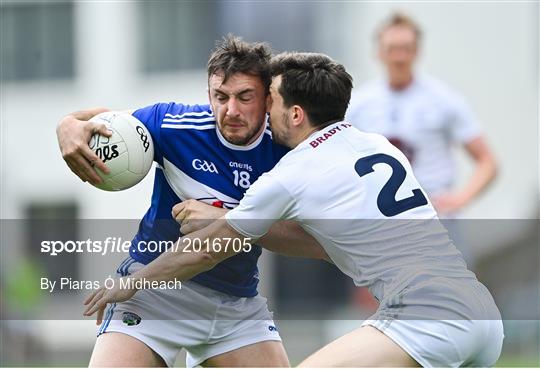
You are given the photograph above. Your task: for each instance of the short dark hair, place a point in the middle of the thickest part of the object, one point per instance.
(233, 55)
(320, 85)
(399, 19)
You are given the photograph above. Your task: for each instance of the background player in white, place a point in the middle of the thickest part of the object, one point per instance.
(422, 117)
(358, 197)
(198, 318)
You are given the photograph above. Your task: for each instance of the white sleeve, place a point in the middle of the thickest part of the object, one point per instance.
(464, 126)
(264, 203)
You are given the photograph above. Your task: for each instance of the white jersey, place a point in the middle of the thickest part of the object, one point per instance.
(424, 120)
(356, 195)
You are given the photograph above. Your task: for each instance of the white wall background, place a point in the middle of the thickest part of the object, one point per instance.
(487, 51)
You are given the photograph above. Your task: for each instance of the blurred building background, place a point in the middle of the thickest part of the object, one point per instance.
(58, 57)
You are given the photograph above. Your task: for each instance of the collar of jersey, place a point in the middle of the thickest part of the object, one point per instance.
(232, 146)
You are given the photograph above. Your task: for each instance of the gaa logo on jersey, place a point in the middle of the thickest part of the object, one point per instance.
(205, 166)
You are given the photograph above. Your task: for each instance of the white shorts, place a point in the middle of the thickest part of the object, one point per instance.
(201, 320)
(446, 343)
(436, 340)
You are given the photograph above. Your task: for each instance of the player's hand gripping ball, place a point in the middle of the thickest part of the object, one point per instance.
(128, 153)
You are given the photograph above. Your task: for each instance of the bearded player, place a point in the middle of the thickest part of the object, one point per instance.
(211, 153)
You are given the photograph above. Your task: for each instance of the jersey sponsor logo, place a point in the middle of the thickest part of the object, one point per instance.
(130, 319)
(234, 164)
(323, 137)
(204, 165)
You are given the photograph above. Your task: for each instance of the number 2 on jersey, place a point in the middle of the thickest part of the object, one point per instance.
(386, 201)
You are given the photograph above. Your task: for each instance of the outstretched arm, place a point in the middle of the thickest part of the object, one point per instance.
(181, 262)
(185, 261)
(284, 237)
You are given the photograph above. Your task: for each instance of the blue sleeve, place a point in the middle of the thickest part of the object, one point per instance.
(152, 117)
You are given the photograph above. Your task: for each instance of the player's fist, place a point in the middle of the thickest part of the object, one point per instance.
(193, 215)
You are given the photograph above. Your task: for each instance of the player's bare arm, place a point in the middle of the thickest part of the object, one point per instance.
(177, 263)
(284, 237)
(484, 173)
(288, 238)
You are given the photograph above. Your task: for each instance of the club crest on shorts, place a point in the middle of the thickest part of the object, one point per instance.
(130, 319)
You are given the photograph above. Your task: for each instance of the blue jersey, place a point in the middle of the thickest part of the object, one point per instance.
(194, 161)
